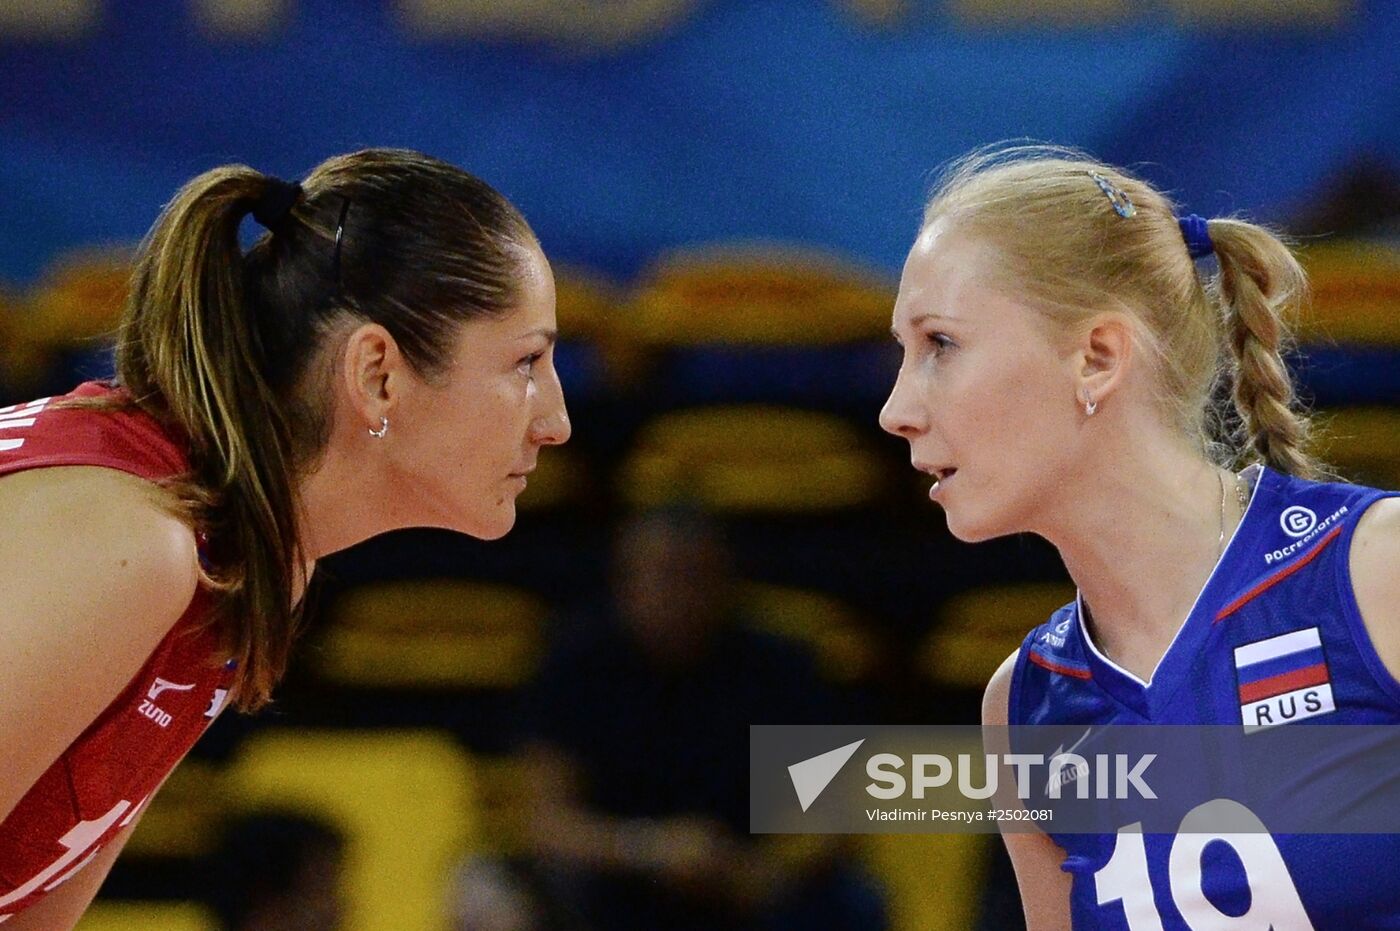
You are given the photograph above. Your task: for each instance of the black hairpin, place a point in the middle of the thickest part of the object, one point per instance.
(339, 237)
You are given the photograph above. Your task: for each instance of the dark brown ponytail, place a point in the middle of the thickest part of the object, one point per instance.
(190, 349)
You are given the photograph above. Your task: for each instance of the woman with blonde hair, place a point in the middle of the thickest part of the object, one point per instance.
(1061, 349)
(380, 358)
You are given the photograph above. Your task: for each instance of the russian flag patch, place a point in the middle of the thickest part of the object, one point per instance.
(1283, 679)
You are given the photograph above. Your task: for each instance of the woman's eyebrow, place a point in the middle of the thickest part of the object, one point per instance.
(923, 318)
(550, 335)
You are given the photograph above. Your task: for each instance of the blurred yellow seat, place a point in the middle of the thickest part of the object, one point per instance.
(597, 312)
(933, 881)
(79, 300)
(976, 630)
(1355, 293)
(759, 294)
(751, 458)
(432, 633)
(835, 634)
(184, 818)
(405, 801)
(22, 357)
(1303, 15)
(146, 916)
(1362, 445)
(585, 304)
(1011, 14)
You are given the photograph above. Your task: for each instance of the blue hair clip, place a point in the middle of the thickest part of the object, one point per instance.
(1196, 231)
(1121, 204)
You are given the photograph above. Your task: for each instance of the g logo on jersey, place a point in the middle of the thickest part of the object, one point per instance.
(1297, 521)
(1056, 637)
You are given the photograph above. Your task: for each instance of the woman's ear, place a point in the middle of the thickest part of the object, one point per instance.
(1103, 356)
(373, 372)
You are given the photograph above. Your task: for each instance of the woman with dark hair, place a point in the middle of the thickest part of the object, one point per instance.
(380, 358)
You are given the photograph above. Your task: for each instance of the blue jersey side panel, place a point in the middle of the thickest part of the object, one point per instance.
(1282, 587)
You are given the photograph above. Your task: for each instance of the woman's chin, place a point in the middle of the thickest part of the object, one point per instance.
(493, 526)
(970, 531)
(489, 523)
(494, 533)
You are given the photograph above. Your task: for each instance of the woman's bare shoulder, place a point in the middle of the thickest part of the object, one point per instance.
(95, 573)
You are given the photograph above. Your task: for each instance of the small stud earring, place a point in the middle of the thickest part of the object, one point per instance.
(1090, 405)
(383, 429)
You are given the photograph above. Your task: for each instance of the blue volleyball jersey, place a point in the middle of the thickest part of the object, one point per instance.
(1275, 639)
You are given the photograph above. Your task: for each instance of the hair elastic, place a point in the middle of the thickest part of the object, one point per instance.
(276, 201)
(1196, 231)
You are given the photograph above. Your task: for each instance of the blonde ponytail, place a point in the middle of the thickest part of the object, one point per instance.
(1259, 288)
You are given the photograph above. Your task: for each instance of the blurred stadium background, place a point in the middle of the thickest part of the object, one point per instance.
(726, 189)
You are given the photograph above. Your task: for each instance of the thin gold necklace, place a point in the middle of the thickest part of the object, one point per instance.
(1244, 504)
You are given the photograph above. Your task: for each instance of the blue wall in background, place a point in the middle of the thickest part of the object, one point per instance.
(785, 119)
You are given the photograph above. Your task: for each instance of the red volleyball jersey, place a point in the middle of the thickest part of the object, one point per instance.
(100, 783)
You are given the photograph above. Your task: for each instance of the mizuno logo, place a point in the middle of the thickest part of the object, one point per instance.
(161, 685)
(1067, 770)
(149, 707)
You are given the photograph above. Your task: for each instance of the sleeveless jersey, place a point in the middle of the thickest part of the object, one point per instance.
(1275, 638)
(102, 780)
